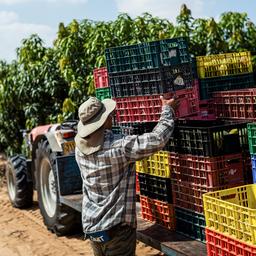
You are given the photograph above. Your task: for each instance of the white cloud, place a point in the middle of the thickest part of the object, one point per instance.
(12, 2)
(13, 32)
(162, 8)
(8, 17)
(68, 1)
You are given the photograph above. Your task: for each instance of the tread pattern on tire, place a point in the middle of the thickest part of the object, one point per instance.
(66, 220)
(24, 188)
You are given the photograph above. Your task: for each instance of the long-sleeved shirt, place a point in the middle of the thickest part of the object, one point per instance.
(109, 194)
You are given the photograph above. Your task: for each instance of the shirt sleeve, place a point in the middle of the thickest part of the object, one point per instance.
(137, 147)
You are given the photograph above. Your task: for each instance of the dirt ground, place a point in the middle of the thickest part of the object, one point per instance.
(22, 233)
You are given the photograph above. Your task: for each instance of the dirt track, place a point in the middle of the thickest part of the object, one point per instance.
(22, 233)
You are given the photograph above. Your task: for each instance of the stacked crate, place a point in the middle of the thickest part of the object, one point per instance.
(231, 221)
(138, 75)
(155, 189)
(102, 89)
(224, 72)
(205, 156)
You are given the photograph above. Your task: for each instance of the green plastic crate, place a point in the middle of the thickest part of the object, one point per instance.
(251, 130)
(147, 55)
(103, 93)
(191, 224)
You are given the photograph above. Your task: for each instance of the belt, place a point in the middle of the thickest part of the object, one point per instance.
(106, 235)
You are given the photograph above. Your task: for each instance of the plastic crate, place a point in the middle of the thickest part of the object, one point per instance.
(253, 159)
(100, 76)
(201, 116)
(155, 187)
(147, 55)
(137, 184)
(225, 83)
(224, 64)
(251, 127)
(151, 81)
(156, 165)
(207, 172)
(103, 93)
(157, 211)
(168, 47)
(177, 77)
(219, 244)
(248, 170)
(233, 212)
(235, 104)
(189, 196)
(208, 138)
(190, 224)
(149, 108)
(116, 129)
(137, 128)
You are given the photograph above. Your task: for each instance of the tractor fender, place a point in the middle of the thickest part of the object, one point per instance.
(54, 145)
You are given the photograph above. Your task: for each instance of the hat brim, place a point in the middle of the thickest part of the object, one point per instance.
(91, 144)
(94, 124)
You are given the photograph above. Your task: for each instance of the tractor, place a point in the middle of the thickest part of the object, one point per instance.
(49, 169)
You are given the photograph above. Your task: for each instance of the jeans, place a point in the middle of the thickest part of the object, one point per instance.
(123, 243)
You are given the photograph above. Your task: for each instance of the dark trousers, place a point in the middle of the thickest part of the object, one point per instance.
(123, 243)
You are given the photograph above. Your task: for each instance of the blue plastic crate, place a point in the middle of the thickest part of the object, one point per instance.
(253, 159)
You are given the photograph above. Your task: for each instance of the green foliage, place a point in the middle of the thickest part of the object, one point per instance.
(46, 85)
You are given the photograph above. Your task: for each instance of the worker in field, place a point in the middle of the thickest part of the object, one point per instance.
(108, 172)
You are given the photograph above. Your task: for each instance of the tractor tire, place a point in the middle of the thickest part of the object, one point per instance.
(58, 218)
(19, 183)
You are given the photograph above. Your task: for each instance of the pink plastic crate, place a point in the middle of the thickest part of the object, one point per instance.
(149, 108)
(235, 104)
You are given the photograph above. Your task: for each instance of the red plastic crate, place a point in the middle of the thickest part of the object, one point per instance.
(207, 172)
(149, 108)
(137, 184)
(235, 104)
(100, 76)
(190, 196)
(222, 245)
(158, 211)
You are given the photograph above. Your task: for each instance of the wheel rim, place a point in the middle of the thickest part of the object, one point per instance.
(48, 187)
(11, 182)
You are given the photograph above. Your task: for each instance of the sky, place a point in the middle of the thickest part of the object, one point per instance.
(21, 18)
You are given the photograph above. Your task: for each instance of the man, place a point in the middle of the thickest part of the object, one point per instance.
(108, 173)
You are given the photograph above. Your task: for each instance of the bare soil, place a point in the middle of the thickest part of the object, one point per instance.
(22, 233)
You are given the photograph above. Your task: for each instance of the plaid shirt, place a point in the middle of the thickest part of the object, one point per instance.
(109, 194)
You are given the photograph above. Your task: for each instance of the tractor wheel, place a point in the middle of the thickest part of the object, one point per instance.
(58, 218)
(19, 185)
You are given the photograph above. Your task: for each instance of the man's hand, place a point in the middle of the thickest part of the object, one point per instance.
(173, 102)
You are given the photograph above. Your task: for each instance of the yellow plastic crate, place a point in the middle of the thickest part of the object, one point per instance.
(157, 165)
(232, 212)
(224, 64)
